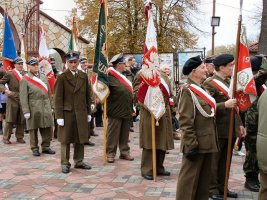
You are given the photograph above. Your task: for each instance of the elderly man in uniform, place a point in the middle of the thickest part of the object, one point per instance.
(262, 145)
(199, 137)
(119, 110)
(35, 98)
(14, 113)
(72, 111)
(218, 86)
(163, 133)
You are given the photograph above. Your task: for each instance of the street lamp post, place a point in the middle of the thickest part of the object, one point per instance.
(215, 21)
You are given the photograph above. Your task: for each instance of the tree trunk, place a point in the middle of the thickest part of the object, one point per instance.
(263, 34)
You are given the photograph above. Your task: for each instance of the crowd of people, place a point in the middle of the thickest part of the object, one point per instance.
(202, 105)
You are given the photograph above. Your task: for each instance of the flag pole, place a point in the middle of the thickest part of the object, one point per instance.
(232, 115)
(105, 102)
(154, 164)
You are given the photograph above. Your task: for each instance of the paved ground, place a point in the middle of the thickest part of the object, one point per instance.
(23, 176)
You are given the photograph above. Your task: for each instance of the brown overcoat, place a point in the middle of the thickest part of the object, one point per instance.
(198, 132)
(37, 103)
(72, 103)
(164, 134)
(13, 107)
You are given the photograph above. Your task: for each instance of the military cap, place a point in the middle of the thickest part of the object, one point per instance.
(83, 60)
(209, 59)
(223, 59)
(191, 63)
(72, 56)
(256, 62)
(18, 60)
(32, 61)
(117, 59)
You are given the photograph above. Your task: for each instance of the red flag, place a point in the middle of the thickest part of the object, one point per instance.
(150, 94)
(44, 61)
(246, 91)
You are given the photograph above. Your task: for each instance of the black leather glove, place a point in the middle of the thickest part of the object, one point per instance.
(191, 155)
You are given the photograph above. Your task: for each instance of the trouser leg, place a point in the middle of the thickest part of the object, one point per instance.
(65, 154)
(34, 139)
(78, 154)
(20, 131)
(7, 130)
(124, 137)
(46, 138)
(113, 132)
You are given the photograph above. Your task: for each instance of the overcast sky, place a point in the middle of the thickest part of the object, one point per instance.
(228, 10)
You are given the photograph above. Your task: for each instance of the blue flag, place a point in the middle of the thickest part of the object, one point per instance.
(9, 49)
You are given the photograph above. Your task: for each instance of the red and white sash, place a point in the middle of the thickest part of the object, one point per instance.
(165, 89)
(121, 78)
(263, 88)
(17, 74)
(203, 95)
(221, 86)
(37, 82)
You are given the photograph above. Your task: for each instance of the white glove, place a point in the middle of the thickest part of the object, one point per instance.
(60, 122)
(92, 107)
(89, 118)
(27, 115)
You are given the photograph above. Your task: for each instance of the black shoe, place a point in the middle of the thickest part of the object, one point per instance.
(231, 194)
(252, 185)
(65, 169)
(93, 134)
(83, 166)
(165, 173)
(216, 197)
(48, 151)
(148, 177)
(91, 144)
(36, 153)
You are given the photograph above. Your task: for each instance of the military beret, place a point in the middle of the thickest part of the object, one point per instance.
(117, 59)
(191, 63)
(223, 59)
(32, 61)
(209, 59)
(256, 62)
(83, 60)
(18, 60)
(72, 56)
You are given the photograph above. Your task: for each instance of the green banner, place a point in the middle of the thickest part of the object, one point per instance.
(100, 60)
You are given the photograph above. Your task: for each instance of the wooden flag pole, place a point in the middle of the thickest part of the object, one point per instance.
(105, 132)
(154, 162)
(232, 116)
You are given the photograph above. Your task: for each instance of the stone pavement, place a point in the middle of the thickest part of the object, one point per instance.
(23, 176)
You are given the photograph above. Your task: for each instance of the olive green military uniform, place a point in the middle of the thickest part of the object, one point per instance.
(38, 104)
(222, 123)
(250, 166)
(72, 103)
(163, 133)
(198, 134)
(14, 113)
(119, 112)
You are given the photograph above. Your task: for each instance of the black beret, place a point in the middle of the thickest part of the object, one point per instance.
(209, 59)
(256, 62)
(18, 60)
(83, 59)
(32, 61)
(117, 59)
(72, 56)
(191, 63)
(223, 59)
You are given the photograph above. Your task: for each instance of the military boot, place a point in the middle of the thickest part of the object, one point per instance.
(252, 182)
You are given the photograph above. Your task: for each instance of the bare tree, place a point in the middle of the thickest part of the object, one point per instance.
(263, 33)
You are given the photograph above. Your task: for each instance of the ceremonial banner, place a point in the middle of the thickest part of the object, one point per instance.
(246, 91)
(149, 92)
(44, 62)
(100, 76)
(9, 52)
(22, 52)
(73, 43)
